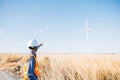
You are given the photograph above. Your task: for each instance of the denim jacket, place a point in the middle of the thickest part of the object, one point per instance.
(30, 67)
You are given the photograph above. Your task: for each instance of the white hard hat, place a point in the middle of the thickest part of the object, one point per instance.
(32, 43)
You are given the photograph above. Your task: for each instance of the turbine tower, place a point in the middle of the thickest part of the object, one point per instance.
(87, 29)
(42, 31)
(42, 37)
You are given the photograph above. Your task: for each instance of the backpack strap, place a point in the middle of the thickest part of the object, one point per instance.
(29, 56)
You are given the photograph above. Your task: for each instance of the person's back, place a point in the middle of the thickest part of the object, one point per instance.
(31, 66)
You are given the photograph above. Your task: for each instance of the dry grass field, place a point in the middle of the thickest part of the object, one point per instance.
(67, 66)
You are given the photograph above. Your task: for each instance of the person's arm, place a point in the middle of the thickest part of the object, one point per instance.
(30, 69)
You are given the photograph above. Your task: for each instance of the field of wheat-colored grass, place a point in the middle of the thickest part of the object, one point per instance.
(68, 66)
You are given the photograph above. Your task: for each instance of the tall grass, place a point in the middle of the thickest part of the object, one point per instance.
(80, 67)
(10, 57)
(76, 67)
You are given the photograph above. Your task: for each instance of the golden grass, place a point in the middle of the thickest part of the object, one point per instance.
(7, 57)
(73, 67)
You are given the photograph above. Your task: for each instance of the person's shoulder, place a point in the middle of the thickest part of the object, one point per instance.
(31, 59)
(30, 56)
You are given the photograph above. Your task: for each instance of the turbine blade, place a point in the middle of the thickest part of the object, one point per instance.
(91, 29)
(82, 30)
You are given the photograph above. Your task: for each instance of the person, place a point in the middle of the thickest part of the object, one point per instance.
(31, 66)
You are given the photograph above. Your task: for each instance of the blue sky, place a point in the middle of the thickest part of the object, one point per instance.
(19, 20)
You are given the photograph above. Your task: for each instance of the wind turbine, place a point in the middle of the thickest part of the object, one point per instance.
(42, 31)
(87, 29)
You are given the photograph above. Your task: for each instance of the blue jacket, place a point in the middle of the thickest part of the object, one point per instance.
(30, 67)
